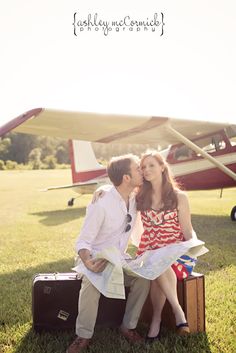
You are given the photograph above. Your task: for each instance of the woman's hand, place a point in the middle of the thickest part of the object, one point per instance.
(97, 195)
(100, 192)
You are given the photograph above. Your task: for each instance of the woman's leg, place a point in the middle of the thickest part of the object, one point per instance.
(158, 299)
(168, 284)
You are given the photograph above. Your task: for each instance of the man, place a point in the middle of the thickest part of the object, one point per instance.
(109, 222)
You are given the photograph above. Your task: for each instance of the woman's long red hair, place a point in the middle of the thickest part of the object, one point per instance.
(169, 187)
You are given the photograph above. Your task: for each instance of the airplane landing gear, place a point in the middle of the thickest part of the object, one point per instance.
(71, 202)
(233, 214)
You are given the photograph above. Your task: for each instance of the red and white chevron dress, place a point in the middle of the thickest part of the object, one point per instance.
(160, 229)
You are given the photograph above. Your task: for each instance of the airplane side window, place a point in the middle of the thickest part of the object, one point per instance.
(182, 153)
(233, 141)
(218, 142)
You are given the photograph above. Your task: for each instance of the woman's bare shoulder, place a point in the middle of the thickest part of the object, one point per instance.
(181, 196)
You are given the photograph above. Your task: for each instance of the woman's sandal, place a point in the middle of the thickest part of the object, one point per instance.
(150, 340)
(182, 329)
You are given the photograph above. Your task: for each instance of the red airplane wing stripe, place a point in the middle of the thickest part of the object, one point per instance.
(19, 120)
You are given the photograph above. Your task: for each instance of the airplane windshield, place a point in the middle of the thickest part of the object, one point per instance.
(231, 134)
(212, 143)
(209, 144)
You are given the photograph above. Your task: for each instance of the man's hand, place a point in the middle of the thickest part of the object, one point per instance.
(95, 265)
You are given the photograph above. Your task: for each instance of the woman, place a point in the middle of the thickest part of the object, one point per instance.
(166, 220)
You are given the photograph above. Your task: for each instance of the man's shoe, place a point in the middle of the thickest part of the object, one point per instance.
(78, 345)
(182, 329)
(132, 336)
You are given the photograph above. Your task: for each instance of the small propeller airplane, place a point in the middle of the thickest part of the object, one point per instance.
(202, 154)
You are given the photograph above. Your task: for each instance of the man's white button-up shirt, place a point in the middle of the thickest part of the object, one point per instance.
(105, 223)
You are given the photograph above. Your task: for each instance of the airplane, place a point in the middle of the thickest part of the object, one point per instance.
(87, 173)
(202, 154)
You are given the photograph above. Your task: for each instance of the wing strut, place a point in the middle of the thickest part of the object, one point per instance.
(204, 154)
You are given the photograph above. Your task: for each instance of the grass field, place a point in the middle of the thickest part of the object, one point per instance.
(37, 234)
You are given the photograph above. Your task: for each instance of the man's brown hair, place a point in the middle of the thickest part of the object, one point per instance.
(120, 166)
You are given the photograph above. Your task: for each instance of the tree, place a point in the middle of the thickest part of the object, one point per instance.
(21, 146)
(47, 145)
(62, 155)
(35, 158)
(11, 165)
(2, 165)
(5, 144)
(50, 162)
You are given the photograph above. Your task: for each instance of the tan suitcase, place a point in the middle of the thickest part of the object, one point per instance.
(191, 294)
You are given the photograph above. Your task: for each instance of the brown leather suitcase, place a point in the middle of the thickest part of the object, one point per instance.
(191, 294)
(55, 303)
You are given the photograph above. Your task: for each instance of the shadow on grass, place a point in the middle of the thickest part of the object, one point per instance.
(220, 241)
(16, 289)
(53, 342)
(221, 224)
(107, 340)
(56, 217)
(17, 322)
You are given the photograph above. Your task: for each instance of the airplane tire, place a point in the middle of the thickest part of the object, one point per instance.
(233, 214)
(71, 202)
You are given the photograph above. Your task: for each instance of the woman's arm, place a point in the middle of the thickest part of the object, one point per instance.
(184, 215)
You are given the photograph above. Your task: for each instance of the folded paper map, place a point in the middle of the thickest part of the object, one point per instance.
(149, 265)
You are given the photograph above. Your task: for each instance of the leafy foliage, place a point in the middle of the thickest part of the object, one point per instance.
(36, 150)
(35, 158)
(2, 165)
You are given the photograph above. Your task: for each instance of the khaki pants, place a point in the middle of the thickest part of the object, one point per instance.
(89, 301)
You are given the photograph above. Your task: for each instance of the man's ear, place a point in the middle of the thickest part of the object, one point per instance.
(126, 178)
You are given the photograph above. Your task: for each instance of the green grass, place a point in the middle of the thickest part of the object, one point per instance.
(37, 234)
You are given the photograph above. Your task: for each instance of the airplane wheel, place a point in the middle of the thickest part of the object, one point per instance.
(233, 214)
(71, 202)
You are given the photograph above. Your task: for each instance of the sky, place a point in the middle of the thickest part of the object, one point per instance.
(182, 65)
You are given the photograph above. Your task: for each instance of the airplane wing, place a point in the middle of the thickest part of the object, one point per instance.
(81, 188)
(69, 186)
(107, 128)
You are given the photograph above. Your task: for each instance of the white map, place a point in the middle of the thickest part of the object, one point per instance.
(149, 265)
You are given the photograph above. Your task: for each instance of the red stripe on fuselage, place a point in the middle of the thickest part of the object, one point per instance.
(208, 179)
(79, 177)
(89, 175)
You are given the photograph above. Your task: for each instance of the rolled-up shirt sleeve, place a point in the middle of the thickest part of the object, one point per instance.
(93, 221)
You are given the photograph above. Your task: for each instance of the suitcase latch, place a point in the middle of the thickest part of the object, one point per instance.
(47, 290)
(63, 315)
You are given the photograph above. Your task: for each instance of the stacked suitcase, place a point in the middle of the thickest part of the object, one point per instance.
(191, 294)
(55, 304)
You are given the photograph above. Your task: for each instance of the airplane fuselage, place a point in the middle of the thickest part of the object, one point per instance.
(194, 172)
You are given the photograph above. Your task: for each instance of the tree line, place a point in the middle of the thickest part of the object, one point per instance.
(43, 152)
